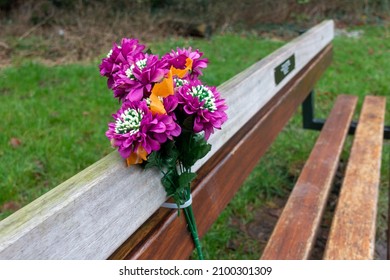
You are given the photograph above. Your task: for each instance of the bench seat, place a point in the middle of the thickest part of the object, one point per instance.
(352, 234)
(295, 232)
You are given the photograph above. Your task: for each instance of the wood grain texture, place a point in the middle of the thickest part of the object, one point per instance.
(89, 215)
(80, 218)
(352, 234)
(164, 236)
(295, 232)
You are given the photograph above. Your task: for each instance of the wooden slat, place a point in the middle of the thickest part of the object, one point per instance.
(295, 232)
(352, 234)
(92, 213)
(164, 236)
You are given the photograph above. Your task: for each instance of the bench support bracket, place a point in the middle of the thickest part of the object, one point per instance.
(310, 122)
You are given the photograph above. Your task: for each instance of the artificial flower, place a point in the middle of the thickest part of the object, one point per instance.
(136, 79)
(119, 56)
(205, 104)
(178, 59)
(136, 127)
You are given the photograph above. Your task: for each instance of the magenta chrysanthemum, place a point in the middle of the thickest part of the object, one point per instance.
(118, 56)
(170, 103)
(135, 126)
(135, 80)
(178, 58)
(205, 104)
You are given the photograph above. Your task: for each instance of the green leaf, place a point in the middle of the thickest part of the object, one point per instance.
(201, 146)
(165, 158)
(192, 147)
(154, 160)
(188, 123)
(169, 155)
(169, 181)
(186, 178)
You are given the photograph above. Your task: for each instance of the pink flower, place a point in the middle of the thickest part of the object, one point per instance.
(136, 78)
(205, 104)
(170, 104)
(178, 58)
(136, 127)
(119, 56)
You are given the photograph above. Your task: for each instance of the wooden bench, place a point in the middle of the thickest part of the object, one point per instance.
(352, 234)
(111, 212)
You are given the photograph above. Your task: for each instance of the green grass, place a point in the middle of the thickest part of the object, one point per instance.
(59, 114)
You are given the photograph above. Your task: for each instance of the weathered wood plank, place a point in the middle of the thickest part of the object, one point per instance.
(77, 213)
(295, 232)
(89, 215)
(352, 234)
(223, 174)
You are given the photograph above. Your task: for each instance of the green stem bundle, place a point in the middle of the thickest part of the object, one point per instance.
(190, 217)
(174, 160)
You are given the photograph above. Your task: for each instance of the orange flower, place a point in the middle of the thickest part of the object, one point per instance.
(161, 89)
(182, 72)
(165, 87)
(137, 157)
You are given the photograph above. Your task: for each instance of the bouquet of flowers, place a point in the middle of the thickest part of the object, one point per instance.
(166, 116)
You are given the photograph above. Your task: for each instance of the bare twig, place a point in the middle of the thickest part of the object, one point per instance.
(4, 45)
(31, 30)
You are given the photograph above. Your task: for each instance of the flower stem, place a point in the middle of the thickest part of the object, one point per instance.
(189, 213)
(181, 196)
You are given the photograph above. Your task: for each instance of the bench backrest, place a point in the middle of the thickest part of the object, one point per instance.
(93, 213)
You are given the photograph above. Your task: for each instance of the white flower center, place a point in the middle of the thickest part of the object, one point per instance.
(180, 82)
(129, 122)
(141, 63)
(206, 95)
(109, 54)
(129, 72)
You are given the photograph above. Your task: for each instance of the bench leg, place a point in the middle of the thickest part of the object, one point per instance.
(310, 122)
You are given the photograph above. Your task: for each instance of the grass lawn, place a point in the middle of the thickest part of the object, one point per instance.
(53, 121)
